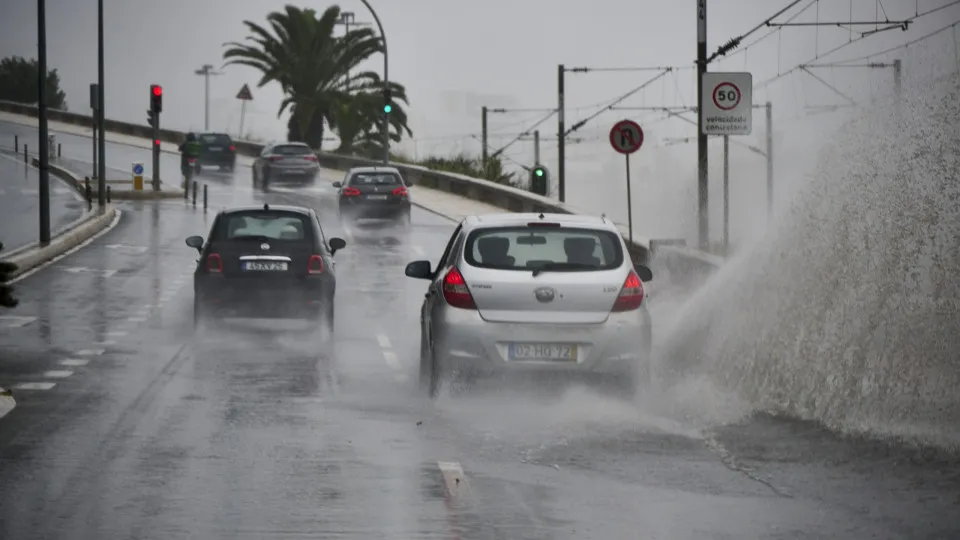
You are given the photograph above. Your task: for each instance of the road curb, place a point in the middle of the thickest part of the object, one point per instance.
(70, 237)
(77, 182)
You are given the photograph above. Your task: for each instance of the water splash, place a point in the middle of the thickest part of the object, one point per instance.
(849, 311)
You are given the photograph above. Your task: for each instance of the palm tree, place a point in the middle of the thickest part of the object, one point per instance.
(359, 120)
(310, 64)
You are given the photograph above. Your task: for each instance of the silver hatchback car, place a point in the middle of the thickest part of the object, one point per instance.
(534, 293)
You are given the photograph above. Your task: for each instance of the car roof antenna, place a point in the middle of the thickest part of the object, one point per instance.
(266, 206)
(541, 215)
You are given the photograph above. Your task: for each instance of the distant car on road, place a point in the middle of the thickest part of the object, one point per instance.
(289, 162)
(265, 262)
(374, 192)
(534, 293)
(217, 150)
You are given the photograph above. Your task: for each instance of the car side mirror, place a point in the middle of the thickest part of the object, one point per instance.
(419, 270)
(336, 244)
(644, 273)
(196, 242)
(337, 185)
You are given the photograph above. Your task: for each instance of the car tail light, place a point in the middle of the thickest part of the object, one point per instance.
(350, 192)
(455, 290)
(275, 158)
(214, 264)
(315, 266)
(400, 191)
(233, 148)
(310, 158)
(191, 160)
(631, 295)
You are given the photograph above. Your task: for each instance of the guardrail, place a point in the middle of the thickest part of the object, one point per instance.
(682, 264)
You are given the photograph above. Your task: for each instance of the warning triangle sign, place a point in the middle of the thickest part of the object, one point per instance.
(244, 93)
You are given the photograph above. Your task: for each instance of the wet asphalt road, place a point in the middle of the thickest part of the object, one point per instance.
(151, 432)
(20, 202)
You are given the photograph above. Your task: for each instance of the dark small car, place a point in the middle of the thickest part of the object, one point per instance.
(290, 162)
(265, 262)
(217, 150)
(373, 192)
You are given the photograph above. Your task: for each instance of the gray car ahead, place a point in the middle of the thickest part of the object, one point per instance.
(283, 163)
(534, 293)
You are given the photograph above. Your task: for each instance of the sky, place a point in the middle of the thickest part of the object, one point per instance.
(455, 57)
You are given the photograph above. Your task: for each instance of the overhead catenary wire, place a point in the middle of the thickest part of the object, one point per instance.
(616, 102)
(526, 132)
(845, 63)
(735, 42)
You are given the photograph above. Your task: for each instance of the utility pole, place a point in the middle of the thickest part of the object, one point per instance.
(561, 152)
(726, 194)
(898, 77)
(94, 97)
(769, 111)
(483, 137)
(44, 188)
(101, 115)
(702, 151)
(348, 19)
(386, 84)
(206, 71)
(536, 148)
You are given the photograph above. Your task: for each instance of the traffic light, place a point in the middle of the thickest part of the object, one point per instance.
(387, 107)
(156, 98)
(7, 269)
(539, 180)
(151, 118)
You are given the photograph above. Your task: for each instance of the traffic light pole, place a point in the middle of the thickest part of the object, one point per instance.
(536, 148)
(102, 171)
(386, 84)
(156, 152)
(561, 130)
(44, 188)
(483, 137)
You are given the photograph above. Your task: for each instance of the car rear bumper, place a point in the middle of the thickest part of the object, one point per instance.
(279, 175)
(245, 299)
(350, 208)
(616, 347)
(221, 160)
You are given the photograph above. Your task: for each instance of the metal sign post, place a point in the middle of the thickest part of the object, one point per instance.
(244, 96)
(626, 137)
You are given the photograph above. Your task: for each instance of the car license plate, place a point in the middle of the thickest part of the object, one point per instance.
(377, 197)
(294, 171)
(216, 148)
(543, 351)
(259, 266)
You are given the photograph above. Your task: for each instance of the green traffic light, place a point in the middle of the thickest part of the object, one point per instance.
(387, 108)
(538, 172)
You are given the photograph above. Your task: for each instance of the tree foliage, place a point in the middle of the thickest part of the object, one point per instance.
(19, 82)
(319, 76)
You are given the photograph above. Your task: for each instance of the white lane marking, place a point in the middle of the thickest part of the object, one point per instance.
(116, 333)
(74, 362)
(384, 341)
(7, 404)
(58, 374)
(11, 321)
(106, 343)
(91, 352)
(78, 247)
(419, 251)
(34, 386)
(137, 319)
(391, 358)
(453, 478)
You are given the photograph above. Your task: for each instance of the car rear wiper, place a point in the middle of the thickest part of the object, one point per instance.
(561, 266)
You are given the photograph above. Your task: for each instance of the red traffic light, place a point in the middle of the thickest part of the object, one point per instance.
(157, 90)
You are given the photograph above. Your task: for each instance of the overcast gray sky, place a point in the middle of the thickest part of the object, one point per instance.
(456, 56)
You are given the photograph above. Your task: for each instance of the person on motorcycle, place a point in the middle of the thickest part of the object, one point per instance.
(190, 148)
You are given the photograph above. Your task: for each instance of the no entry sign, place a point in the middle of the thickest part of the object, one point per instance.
(626, 137)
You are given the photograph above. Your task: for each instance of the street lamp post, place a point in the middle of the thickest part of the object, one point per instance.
(386, 84)
(206, 71)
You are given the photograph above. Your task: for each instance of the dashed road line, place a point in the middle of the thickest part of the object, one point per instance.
(391, 358)
(116, 333)
(419, 251)
(136, 319)
(384, 341)
(74, 362)
(34, 386)
(57, 374)
(454, 480)
(7, 403)
(91, 352)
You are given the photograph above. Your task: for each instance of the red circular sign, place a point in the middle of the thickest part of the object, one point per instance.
(626, 137)
(726, 96)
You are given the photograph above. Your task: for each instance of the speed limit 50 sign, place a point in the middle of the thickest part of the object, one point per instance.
(727, 103)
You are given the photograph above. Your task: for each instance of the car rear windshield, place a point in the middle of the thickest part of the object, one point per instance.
(264, 225)
(291, 150)
(375, 179)
(216, 138)
(560, 248)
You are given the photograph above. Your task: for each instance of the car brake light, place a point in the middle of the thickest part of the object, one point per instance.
(275, 158)
(233, 148)
(542, 224)
(455, 290)
(214, 264)
(315, 266)
(351, 192)
(400, 191)
(310, 158)
(631, 295)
